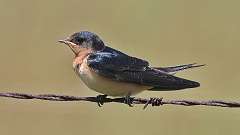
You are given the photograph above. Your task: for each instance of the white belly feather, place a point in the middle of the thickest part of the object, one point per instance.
(105, 85)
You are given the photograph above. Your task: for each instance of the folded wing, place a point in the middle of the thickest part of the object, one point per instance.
(124, 68)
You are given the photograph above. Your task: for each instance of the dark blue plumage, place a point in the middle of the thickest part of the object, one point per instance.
(115, 65)
(121, 67)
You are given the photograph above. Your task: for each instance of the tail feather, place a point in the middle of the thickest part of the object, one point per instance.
(182, 84)
(174, 69)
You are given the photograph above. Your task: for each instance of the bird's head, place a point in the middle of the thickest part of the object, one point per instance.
(84, 40)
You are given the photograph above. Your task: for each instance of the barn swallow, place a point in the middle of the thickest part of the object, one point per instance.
(113, 73)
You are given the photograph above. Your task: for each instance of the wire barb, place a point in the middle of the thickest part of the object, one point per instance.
(154, 102)
(145, 102)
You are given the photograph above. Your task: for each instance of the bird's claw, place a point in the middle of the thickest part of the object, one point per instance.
(100, 100)
(128, 100)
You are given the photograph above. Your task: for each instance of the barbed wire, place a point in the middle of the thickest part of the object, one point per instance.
(146, 102)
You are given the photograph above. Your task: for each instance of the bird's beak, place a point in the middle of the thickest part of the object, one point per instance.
(65, 41)
(72, 46)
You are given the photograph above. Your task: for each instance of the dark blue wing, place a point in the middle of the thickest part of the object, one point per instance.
(111, 62)
(121, 67)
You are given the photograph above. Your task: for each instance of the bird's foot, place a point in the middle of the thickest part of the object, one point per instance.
(100, 100)
(154, 102)
(128, 100)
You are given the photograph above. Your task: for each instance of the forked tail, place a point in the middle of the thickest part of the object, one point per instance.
(175, 69)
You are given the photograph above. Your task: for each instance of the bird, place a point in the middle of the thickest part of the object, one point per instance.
(113, 73)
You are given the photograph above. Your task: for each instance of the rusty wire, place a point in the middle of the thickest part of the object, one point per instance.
(146, 102)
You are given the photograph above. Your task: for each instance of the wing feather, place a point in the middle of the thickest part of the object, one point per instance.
(121, 67)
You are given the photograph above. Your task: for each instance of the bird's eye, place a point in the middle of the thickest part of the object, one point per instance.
(79, 40)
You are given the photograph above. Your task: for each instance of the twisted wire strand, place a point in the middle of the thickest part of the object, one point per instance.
(146, 102)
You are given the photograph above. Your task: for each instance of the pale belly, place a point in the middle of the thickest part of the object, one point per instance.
(105, 85)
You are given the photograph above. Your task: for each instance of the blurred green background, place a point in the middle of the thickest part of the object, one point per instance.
(164, 32)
